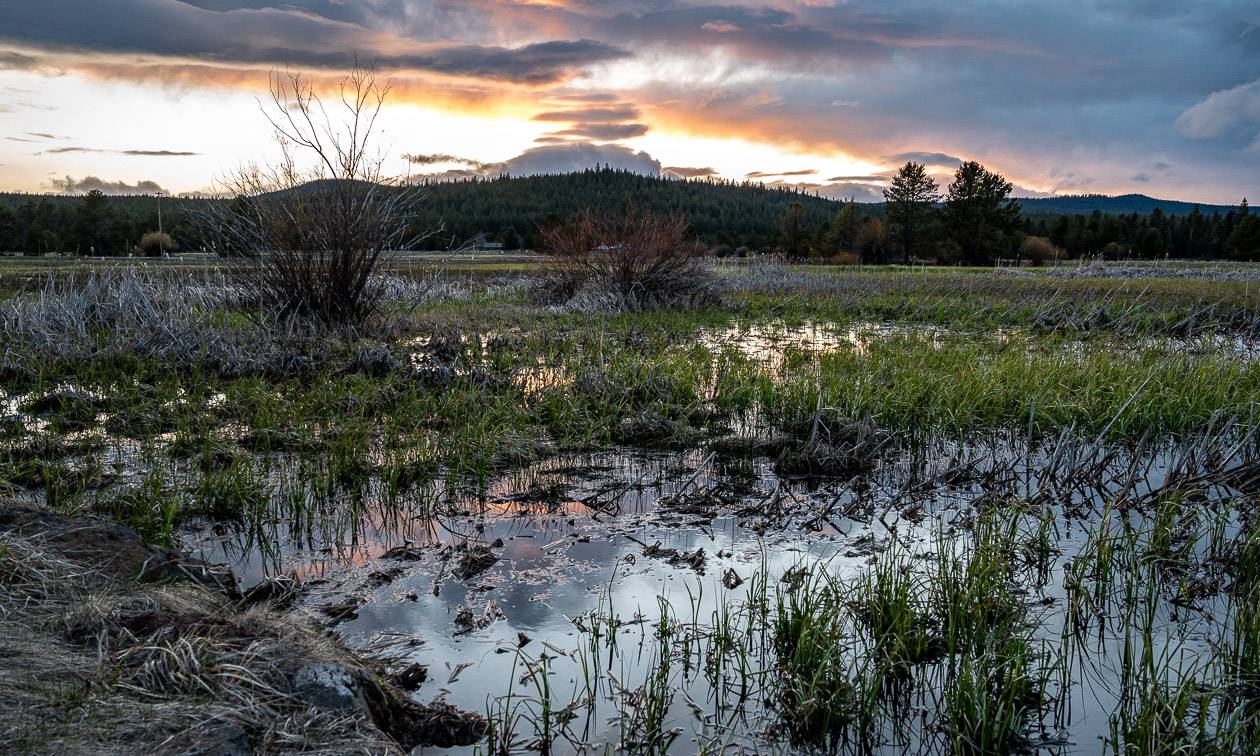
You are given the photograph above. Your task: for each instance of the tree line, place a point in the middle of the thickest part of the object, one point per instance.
(974, 220)
(94, 224)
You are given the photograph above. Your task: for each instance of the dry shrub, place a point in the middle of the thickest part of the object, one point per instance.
(309, 230)
(1038, 250)
(155, 243)
(627, 263)
(845, 258)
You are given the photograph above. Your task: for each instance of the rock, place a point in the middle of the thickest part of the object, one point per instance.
(328, 686)
(219, 737)
(113, 551)
(334, 687)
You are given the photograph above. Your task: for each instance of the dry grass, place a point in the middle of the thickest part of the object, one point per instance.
(93, 665)
(206, 321)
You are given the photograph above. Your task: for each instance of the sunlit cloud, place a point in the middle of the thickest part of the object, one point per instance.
(1075, 97)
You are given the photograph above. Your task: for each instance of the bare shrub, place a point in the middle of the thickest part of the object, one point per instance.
(1038, 250)
(309, 230)
(628, 263)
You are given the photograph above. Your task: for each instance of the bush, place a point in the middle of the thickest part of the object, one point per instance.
(308, 242)
(630, 263)
(1038, 249)
(153, 244)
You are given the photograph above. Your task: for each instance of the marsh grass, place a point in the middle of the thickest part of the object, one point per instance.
(1110, 471)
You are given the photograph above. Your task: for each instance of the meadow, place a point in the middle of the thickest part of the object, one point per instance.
(863, 509)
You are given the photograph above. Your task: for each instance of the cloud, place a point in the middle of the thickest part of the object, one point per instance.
(859, 192)
(768, 174)
(1236, 109)
(591, 115)
(87, 184)
(606, 132)
(1094, 88)
(938, 159)
(568, 158)
(875, 179)
(130, 153)
(15, 61)
(423, 159)
(683, 172)
(275, 34)
(1141, 178)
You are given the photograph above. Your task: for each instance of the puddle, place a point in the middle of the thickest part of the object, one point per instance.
(595, 554)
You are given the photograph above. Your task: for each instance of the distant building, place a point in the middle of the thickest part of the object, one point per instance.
(479, 244)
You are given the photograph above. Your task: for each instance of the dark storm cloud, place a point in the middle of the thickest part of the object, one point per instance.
(274, 34)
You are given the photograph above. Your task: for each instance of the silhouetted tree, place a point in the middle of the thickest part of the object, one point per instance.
(8, 229)
(871, 241)
(909, 200)
(842, 233)
(93, 225)
(1244, 242)
(794, 231)
(979, 215)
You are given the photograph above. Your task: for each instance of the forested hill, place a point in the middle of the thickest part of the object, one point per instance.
(720, 211)
(511, 210)
(1124, 204)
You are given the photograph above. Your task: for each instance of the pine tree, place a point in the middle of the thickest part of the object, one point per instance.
(842, 233)
(909, 200)
(794, 229)
(979, 215)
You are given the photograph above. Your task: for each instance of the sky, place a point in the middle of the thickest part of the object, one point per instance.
(1063, 97)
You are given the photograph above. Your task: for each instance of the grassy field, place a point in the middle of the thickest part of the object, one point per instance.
(1025, 477)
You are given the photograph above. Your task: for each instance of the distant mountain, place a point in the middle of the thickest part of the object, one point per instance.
(1123, 204)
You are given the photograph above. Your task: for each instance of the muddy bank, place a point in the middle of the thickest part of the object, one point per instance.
(112, 645)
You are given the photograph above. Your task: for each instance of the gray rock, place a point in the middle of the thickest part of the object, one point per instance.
(219, 737)
(325, 685)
